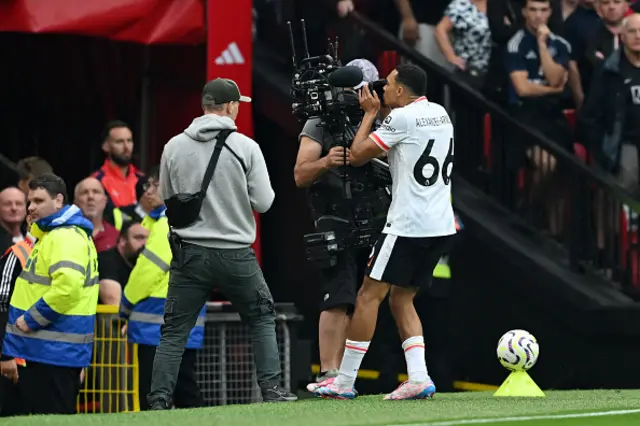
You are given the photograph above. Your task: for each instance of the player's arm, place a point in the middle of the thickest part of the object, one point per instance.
(363, 148)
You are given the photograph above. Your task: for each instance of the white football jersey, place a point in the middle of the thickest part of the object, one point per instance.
(418, 139)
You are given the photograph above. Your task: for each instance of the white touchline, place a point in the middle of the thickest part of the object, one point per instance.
(522, 418)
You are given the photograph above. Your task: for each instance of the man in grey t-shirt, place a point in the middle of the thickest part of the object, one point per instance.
(316, 168)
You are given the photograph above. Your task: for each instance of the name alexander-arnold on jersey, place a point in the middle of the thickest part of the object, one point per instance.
(432, 121)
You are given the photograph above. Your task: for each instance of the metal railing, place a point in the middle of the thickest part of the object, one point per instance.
(224, 367)
(553, 191)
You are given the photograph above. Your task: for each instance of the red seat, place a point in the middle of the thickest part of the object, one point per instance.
(629, 250)
(581, 152)
(570, 115)
(487, 142)
(387, 62)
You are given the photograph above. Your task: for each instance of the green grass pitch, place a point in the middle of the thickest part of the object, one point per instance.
(564, 408)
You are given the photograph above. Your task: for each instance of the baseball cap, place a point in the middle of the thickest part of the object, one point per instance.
(221, 91)
(369, 71)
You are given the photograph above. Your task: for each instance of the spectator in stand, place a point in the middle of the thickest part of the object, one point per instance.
(13, 211)
(117, 175)
(537, 62)
(466, 23)
(30, 168)
(89, 195)
(504, 20)
(605, 38)
(115, 265)
(12, 264)
(610, 122)
(144, 191)
(418, 25)
(580, 20)
(142, 208)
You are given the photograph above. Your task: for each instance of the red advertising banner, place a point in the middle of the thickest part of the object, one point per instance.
(229, 55)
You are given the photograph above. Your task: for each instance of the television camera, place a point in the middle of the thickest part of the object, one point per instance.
(324, 89)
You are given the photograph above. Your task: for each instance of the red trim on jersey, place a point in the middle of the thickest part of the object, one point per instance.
(379, 142)
(421, 98)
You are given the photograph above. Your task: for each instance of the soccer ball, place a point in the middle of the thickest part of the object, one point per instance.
(518, 350)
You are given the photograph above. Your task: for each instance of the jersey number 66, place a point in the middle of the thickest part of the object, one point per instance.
(426, 159)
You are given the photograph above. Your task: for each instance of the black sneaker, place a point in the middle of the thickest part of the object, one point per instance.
(160, 404)
(277, 394)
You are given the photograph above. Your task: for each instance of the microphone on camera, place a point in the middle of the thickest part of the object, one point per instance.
(346, 77)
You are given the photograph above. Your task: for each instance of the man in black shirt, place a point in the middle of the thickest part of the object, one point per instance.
(115, 265)
(604, 39)
(609, 121)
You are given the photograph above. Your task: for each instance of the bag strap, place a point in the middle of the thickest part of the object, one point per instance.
(226, 145)
(217, 149)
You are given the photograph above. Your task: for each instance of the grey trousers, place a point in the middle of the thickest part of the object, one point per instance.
(235, 273)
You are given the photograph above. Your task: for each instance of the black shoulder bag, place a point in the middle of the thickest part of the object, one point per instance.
(184, 209)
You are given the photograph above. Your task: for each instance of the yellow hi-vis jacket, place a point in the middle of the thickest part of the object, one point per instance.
(146, 291)
(57, 292)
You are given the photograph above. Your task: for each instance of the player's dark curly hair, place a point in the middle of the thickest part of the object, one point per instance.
(413, 78)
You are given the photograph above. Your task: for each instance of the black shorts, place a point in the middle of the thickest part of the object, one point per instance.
(406, 262)
(341, 282)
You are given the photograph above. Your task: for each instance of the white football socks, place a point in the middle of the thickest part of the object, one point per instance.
(353, 354)
(416, 363)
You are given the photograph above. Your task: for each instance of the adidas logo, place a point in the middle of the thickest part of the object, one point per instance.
(231, 55)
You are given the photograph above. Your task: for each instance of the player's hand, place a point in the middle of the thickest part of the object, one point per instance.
(344, 7)
(542, 33)
(9, 369)
(410, 31)
(337, 157)
(22, 324)
(369, 102)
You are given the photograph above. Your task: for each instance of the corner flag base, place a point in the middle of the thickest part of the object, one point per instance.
(519, 383)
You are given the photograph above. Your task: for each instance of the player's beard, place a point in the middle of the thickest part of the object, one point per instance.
(120, 160)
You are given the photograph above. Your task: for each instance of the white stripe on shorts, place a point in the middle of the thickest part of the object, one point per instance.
(382, 259)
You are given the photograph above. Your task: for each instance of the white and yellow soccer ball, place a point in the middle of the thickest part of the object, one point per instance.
(518, 350)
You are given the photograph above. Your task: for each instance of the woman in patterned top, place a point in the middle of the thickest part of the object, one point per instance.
(466, 22)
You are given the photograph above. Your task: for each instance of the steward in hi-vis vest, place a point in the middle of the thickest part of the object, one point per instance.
(146, 291)
(53, 306)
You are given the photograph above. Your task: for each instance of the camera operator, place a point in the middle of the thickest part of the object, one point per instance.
(318, 166)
